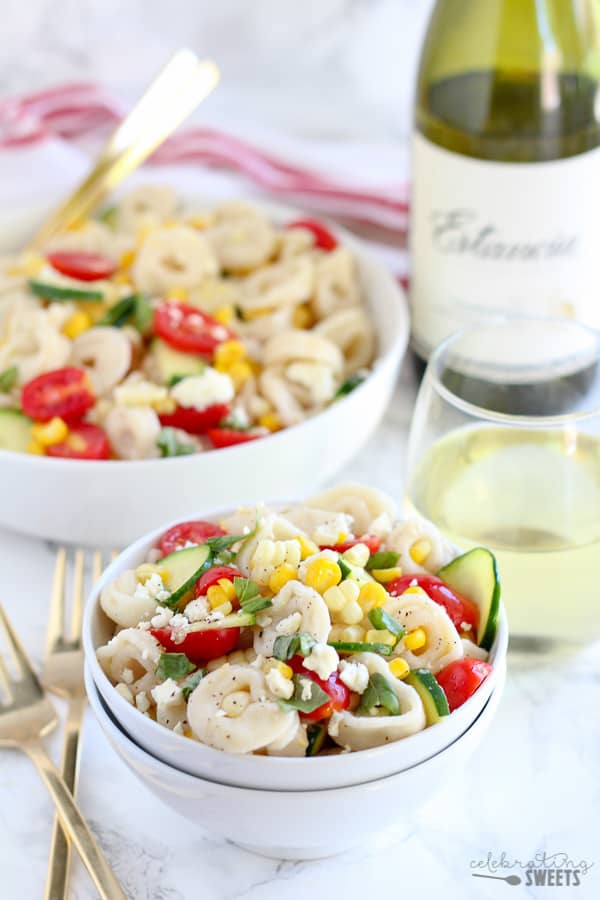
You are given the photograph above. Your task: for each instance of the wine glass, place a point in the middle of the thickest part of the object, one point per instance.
(504, 451)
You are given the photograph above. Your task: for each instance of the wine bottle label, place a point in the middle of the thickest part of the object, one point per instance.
(494, 238)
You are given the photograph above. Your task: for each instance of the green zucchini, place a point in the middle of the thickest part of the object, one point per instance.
(431, 693)
(15, 430)
(475, 574)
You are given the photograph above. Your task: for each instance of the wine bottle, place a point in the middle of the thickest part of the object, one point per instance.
(506, 165)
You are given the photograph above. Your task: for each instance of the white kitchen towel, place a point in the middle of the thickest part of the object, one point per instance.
(48, 138)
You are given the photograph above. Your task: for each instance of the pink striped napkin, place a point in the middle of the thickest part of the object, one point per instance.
(81, 115)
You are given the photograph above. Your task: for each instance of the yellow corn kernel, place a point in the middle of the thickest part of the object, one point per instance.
(322, 574)
(357, 555)
(227, 587)
(281, 575)
(414, 589)
(420, 550)
(380, 636)
(399, 667)
(384, 576)
(307, 548)
(342, 536)
(146, 570)
(29, 264)
(335, 599)
(198, 221)
(225, 608)
(224, 315)
(36, 448)
(352, 613)
(142, 233)
(416, 639)
(350, 589)
(229, 352)
(372, 595)
(285, 670)
(53, 432)
(335, 633)
(271, 421)
(239, 372)
(303, 317)
(164, 405)
(178, 293)
(251, 314)
(235, 703)
(216, 596)
(122, 278)
(127, 259)
(352, 633)
(76, 324)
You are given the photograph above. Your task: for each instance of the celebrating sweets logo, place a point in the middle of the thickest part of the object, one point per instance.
(542, 870)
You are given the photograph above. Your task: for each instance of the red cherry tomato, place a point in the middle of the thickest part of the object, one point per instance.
(459, 608)
(213, 576)
(82, 266)
(372, 541)
(461, 678)
(194, 532)
(66, 393)
(196, 421)
(199, 645)
(84, 441)
(334, 686)
(229, 437)
(323, 237)
(189, 329)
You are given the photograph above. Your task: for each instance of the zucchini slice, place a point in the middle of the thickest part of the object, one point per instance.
(431, 693)
(475, 574)
(15, 430)
(235, 620)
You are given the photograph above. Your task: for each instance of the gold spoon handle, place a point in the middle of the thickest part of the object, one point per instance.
(183, 83)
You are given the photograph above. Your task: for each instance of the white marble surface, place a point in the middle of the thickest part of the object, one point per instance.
(533, 786)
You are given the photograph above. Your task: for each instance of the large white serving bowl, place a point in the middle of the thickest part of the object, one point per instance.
(292, 825)
(270, 773)
(109, 503)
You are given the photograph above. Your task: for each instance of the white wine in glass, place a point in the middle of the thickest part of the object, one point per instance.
(505, 451)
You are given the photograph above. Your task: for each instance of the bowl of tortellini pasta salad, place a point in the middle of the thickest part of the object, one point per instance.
(169, 347)
(297, 646)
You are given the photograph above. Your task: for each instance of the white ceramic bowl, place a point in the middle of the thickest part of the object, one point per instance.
(271, 773)
(110, 503)
(291, 825)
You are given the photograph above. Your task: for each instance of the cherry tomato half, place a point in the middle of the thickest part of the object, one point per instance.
(229, 437)
(84, 441)
(196, 421)
(334, 686)
(213, 576)
(82, 266)
(323, 237)
(189, 329)
(199, 645)
(66, 393)
(372, 541)
(459, 608)
(461, 678)
(193, 532)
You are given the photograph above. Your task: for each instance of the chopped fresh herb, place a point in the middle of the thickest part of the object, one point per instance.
(225, 541)
(385, 559)
(344, 568)
(381, 620)
(109, 216)
(143, 315)
(258, 604)
(8, 379)
(57, 292)
(175, 379)
(235, 424)
(169, 444)
(316, 734)
(379, 693)
(192, 682)
(245, 589)
(307, 696)
(360, 647)
(288, 645)
(173, 665)
(348, 385)
(134, 308)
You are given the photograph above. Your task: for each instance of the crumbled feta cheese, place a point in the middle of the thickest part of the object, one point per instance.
(162, 618)
(323, 660)
(329, 531)
(290, 625)
(144, 626)
(306, 685)
(136, 391)
(127, 676)
(279, 685)
(202, 391)
(465, 626)
(142, 702)
(167, 691)
(381, 526)
(355, 675)
(152, 589)
(197, 609)
(124, 691)
(180, 627)
(171, 707)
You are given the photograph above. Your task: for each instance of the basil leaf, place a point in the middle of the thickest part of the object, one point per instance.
(57, 292)
(143, 315)
(8, 379)
(109, 216)
(191, 682)
(368, 699)
(246, 589)
(169, 444)
(360, 647)
(256, 605)
(219, 543)
(316, 734)
(344, 568)
(349, 385)
(175, 379)
(173, 665)
(307, 696)
(288, 645)
(381, 620)
(119, 313)
(385, 559)
(379, 693)
(234, 424)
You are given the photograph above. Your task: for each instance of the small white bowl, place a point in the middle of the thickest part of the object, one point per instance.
(110, 503)
(269, 773)
(292, 825)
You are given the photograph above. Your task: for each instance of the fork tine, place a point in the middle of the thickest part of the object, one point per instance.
(17, 650)
(57, 602)
(97, 565)
(77, 593)
(4, 682)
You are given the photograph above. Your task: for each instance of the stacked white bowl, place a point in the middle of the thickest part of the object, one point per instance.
(276, 806)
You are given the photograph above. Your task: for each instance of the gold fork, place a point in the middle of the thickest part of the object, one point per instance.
(63, 675)
(26, 716)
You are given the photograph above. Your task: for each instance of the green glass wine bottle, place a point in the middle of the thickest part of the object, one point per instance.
(506, 165)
